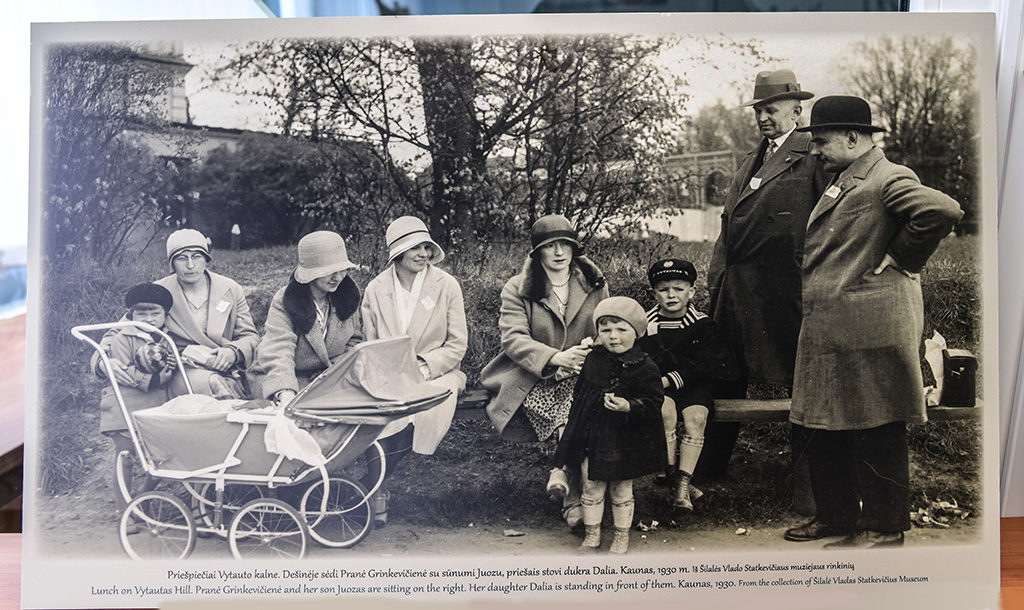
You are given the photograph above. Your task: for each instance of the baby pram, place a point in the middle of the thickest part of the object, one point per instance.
(232, 486)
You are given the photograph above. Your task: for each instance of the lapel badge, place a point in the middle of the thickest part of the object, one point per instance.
(755, 183)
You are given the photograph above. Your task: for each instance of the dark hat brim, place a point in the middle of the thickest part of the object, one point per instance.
(786, 95)
(858, 126)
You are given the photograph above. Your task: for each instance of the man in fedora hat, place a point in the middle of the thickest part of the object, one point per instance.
(754, 275)
(858, 377)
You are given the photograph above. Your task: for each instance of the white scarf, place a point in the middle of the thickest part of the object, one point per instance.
(405, 300)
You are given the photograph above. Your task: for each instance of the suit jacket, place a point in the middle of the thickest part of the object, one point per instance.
(857, 362)
(287, 361)
(754, 275)
(532, 332)
(228, 323)
(438, 325)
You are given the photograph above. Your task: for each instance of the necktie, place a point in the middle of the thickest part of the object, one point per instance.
(770, 150)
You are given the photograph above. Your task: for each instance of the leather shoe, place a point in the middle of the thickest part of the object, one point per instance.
(814, 530)
(868, 540)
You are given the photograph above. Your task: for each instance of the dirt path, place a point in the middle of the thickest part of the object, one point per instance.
(460, 501)
(79, 525)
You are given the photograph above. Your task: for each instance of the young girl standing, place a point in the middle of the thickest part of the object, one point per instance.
(615, 431)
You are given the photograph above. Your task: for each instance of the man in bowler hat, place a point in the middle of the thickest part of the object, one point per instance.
(754, 275)
(858, 378)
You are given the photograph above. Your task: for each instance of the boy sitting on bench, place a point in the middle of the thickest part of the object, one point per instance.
(684, 343)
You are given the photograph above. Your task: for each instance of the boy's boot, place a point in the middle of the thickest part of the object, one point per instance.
(689, 452)
(681, 491)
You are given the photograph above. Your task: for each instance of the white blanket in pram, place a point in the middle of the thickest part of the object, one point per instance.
(280, 437)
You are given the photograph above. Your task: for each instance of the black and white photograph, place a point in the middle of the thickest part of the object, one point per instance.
(709, 296)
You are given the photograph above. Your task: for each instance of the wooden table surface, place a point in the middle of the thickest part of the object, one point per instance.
(12, 390)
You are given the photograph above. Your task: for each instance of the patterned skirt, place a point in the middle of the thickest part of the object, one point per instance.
(547, 405)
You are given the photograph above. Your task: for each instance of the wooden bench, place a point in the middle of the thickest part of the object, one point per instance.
(472, 403)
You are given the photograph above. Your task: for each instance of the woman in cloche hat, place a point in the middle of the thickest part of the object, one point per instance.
(311, 322)
(413, 297)
(209, 320)
(547, 324)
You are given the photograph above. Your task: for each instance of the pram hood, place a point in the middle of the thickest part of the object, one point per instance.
(379, 373)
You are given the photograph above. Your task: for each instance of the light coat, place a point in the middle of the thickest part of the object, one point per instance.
(754, 274)
(228, 322)
(439, 339)
(438, 324)
(532, 331)
(288, 361)
(858, 364)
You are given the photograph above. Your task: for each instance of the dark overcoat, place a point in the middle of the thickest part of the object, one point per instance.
(858, 364)
(754, 275)
(532, 331)
(618, 445)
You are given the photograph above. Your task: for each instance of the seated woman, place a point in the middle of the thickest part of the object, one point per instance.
(546, 316)
(413, 297)
(209, 322)
(311, 322)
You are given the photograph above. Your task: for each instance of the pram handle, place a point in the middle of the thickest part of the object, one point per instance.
(79, 331)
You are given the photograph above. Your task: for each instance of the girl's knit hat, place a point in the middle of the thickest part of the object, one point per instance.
(626, 309)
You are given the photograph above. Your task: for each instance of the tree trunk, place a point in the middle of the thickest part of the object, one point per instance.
(458, 161)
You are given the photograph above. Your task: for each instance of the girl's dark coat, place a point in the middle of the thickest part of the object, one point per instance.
(619, 445)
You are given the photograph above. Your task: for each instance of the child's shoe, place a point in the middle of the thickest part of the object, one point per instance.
(620, 543)
(681, 493)
(591, 539)
(558, 484)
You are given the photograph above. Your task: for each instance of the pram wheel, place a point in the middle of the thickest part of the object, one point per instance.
(346, 519)
(166, 529)
(268, 527)
(204, 502)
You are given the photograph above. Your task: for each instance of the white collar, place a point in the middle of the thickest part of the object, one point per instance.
(780, 140)
(405, 300)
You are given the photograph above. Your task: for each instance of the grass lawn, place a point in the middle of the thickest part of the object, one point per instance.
(474, 474)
